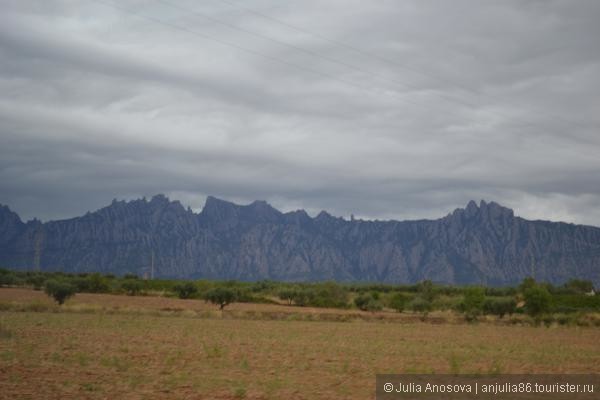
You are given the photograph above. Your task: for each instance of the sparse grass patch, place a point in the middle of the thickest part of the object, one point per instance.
(90, 387)
(454, 364)
(239, 392)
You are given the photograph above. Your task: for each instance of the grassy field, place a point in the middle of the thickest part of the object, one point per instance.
(104, 346)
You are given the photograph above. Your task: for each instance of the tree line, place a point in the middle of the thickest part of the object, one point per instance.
(530, 297)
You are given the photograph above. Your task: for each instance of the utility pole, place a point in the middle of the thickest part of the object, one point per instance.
(37, 249)
(152, 266)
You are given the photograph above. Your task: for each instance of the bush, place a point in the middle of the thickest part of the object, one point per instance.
(500, 307)
(537, 300)
(420, 304)
(243, 295)
(92, 283)
(426, 290)
(374, 305)
(579, 286)
(368, 302)
(220, 296)
(263, 286)
(37, 281)
(186, 290)
(287, 294)
(60, 290)
(500, 291)
(132, 287)
(398, 302)
(329, 294)
(97, 284)
(361, 301)
(472, 304)
(8, 279)
(566, 303)
(302, 297)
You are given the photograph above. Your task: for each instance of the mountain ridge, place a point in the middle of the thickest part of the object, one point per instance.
(481, 243)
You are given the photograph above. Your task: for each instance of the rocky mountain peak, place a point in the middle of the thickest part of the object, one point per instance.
(494, 210)
(323, 216)
(261, 211)
(6, 212)
(483, 211)
(471, 209)
(298, 217)
(217, 207)
(160, 200)
(10, 223)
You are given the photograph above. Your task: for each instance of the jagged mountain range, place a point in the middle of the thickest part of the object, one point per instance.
(482, 243)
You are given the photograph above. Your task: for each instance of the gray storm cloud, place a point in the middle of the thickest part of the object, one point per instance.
(381, 109)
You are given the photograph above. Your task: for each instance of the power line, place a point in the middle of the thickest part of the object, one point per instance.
(279, 60)
(329, 59)
(224, 42)
(292, 46)
(245, 49)
(345, 45)
(447, 97)
(386, 60)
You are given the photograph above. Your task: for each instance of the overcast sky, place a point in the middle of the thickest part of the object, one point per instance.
(384, 109)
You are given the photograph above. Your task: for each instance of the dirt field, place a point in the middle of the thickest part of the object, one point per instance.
(96, 354)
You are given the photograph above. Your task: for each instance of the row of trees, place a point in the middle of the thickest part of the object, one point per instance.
(61, 290)
(529, 297)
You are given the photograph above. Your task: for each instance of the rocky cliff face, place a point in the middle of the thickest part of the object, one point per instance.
(482, 243)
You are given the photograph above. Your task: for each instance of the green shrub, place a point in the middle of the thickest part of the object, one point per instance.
(499, 306)
(91, 283)
(263, 286)
(243, 295)
(368, 302)
(500, 291)
(398, 302)
(420, 304)
(537, 300)
(575, 302)
(302, 297)
(579, 286)
(97, 284)
(287, 294)
(186, 290)
(220, 296)
(132, 287)
(426, 290)
(37, 281)
(8, 279)
(447, 302)
(328, 294)
(472, 304)
(60, 290)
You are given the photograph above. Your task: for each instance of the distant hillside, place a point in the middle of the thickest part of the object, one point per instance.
(482, 243)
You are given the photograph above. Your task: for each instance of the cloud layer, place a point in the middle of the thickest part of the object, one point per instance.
(381, 109)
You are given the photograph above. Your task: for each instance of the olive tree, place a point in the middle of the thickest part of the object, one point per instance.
(59, 290)
(220, 296)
